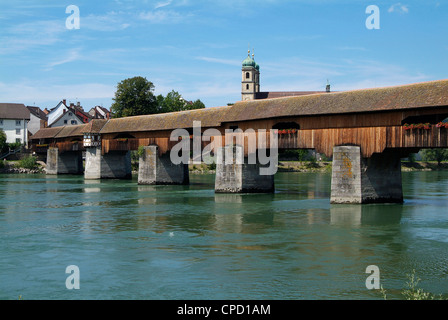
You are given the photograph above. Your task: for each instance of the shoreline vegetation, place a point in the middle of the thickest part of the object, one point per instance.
(326, 167)
(28, 165)
(32, 166)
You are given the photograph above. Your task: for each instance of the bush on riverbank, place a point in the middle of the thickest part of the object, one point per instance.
(27, 163)
(413, 291)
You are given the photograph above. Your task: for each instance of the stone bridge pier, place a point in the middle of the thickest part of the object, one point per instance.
(240, 176)
(112, 165)
(69, 162)
(156, 169)
(359, 180)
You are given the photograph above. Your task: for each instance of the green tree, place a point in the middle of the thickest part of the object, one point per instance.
(438, 155)
(3, 144)
(175, 102)
(198, 104)
(134, 96)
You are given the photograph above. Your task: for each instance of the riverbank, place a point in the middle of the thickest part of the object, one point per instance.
(324, 166)
(12, 167)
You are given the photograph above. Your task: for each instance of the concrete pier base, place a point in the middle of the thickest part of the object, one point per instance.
(240, 177)
(63, 163)
(360, 180)
(159, 170)
(113, 165)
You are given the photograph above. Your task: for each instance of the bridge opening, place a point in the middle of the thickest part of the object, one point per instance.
(286, 126)
(432, 119)
(124, 136)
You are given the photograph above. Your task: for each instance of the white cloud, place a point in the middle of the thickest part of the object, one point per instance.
(163, 16)
(71, 56)
(111, 21)
(163, 4)
(29, 35)
(29, 92)
(399, 8)
(220, 61)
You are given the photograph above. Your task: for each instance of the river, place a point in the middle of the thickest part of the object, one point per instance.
(186, 242)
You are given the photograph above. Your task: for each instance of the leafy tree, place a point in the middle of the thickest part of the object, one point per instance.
(134, 96)
(175, 102)
(3, 144)
(198, 104)
(438, 155)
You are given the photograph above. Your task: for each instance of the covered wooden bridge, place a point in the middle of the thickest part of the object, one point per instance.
(365, 131)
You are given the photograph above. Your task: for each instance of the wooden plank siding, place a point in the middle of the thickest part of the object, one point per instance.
(68, 146)
(370, 139)
(368, 119)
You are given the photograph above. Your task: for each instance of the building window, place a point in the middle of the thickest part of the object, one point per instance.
(1, 122)
(247, 75)
(65, 121)
(17, 131)
(18, 140)
(74, 122)
(247, 87)
(18, 122)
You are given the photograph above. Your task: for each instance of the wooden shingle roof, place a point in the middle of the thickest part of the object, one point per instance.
(419, 95)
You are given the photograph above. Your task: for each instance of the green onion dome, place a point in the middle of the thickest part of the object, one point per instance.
(249, 62)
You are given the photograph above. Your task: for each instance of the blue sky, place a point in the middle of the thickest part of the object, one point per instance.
(196, 47)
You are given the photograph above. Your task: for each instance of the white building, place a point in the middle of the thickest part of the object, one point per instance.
(57, 112)
(67, 118)
(14, 119)
(37, 121)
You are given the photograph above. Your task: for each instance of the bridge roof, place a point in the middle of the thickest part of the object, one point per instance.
(95, 126)
(209, 117)
(72, 131)
(46, 133)
(398, 98)
(419, 95)
(426, 94)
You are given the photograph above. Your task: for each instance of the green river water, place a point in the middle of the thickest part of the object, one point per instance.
(186, 242)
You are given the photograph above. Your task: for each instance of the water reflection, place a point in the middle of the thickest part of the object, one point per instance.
(228, 213)
(355, 215)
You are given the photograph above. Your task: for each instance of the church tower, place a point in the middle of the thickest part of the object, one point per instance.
(250, 84)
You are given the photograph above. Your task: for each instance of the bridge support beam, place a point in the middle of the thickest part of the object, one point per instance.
(113, 165)
(159, 170)
(360, 180)
(63, 163)
(240, 177)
